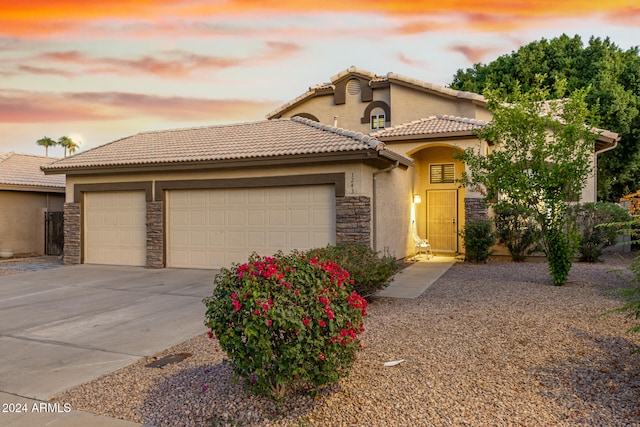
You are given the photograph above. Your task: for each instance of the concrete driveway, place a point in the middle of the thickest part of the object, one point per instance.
(65, 326)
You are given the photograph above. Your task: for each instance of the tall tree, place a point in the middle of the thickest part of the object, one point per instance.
(540, 162)
(46, 142)
(611, 73)
(68, 144)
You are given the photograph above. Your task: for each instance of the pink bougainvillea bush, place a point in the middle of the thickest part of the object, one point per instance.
(286, 321)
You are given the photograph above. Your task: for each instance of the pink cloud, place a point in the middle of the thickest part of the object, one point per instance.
(18, 106)
(173, 64)
(473, 54)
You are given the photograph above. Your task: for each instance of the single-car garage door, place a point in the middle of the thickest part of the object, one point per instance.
(115, 228)
(216, 227)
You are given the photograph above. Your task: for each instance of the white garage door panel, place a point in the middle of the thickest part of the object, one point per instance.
(215, 228)
(115, 228)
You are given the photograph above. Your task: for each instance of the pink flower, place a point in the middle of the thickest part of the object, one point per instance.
(269, 322)
(306, 321)
(205, 388)
(321, 323)
(236, 305)
(234, 295)
(321, 356)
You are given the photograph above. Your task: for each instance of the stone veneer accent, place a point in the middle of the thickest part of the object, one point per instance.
(475, 209)
(72, 226)
(155, 235)
(353, 219)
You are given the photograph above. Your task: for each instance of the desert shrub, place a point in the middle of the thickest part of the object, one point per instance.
(589, 219)
(631, 295)
(369, 270)
(517, 229)
(478, 238)
(286, 321)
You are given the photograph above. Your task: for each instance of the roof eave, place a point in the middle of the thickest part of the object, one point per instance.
(439, 135)
(32, 188)
(300, 159)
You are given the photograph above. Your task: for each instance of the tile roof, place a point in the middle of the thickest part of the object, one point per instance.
(377, 79)
(24, 170)
(262, 139)
(430, 126)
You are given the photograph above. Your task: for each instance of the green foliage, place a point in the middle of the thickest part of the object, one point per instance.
(46, 142)
(517, 229)
(612, 75)
(541, 159)
(590, 220)
(559, 255)
(478, 237)
(286, 321)
(631, 295)
(369, 270)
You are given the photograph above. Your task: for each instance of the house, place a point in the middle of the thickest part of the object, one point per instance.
(208, 197)
(26, 196)
(364, 158)
(427, 123)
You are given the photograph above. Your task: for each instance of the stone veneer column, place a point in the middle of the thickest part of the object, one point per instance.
(353, 219)
(475, 209)
(155, 235)
(72, 227)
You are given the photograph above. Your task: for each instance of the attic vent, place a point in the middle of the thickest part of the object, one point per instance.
(353, 87)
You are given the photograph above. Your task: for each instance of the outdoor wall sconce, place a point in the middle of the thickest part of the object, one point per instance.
(417, 198)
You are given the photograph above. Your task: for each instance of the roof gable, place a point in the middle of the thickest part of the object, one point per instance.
(24, 171)
(267, 139)
(374, 80)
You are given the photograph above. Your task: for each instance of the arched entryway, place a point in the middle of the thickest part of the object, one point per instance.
(440, 214)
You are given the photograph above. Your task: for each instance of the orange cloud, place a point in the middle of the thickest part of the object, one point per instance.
(18, 106)
(41, 17)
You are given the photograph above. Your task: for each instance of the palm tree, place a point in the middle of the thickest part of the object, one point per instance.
(68, 144)
(46, 142)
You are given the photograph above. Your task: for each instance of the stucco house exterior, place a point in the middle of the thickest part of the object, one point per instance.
(26, 194)
(208, 197)
(427, 123)
(363, 158)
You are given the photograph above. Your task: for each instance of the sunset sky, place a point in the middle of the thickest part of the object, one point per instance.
(100, 71)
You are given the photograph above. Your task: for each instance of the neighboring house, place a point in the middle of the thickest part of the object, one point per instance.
(422, 121)
(26, 194)
(208, 197)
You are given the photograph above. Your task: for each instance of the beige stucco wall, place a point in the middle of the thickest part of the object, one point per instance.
(392, 211)
(354, 176)
(22, 219)
(408, 104)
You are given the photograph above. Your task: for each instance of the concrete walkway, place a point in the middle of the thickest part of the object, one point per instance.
(415, 279)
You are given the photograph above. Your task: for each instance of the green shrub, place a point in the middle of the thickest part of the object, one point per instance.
(589, 219)
(478, 238)
(286, 321)
(517, 229)
(369, 271)
(559, 256)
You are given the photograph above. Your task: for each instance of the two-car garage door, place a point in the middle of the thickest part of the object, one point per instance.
(212, 228)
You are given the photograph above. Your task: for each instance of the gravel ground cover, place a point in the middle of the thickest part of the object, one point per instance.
(486, 345)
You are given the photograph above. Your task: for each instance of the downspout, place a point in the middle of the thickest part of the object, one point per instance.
(375, 198)
(595, 171)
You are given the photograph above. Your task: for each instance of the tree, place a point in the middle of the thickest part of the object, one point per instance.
(46, 142)
(540, 161)
(68, 144)
(612, 75)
